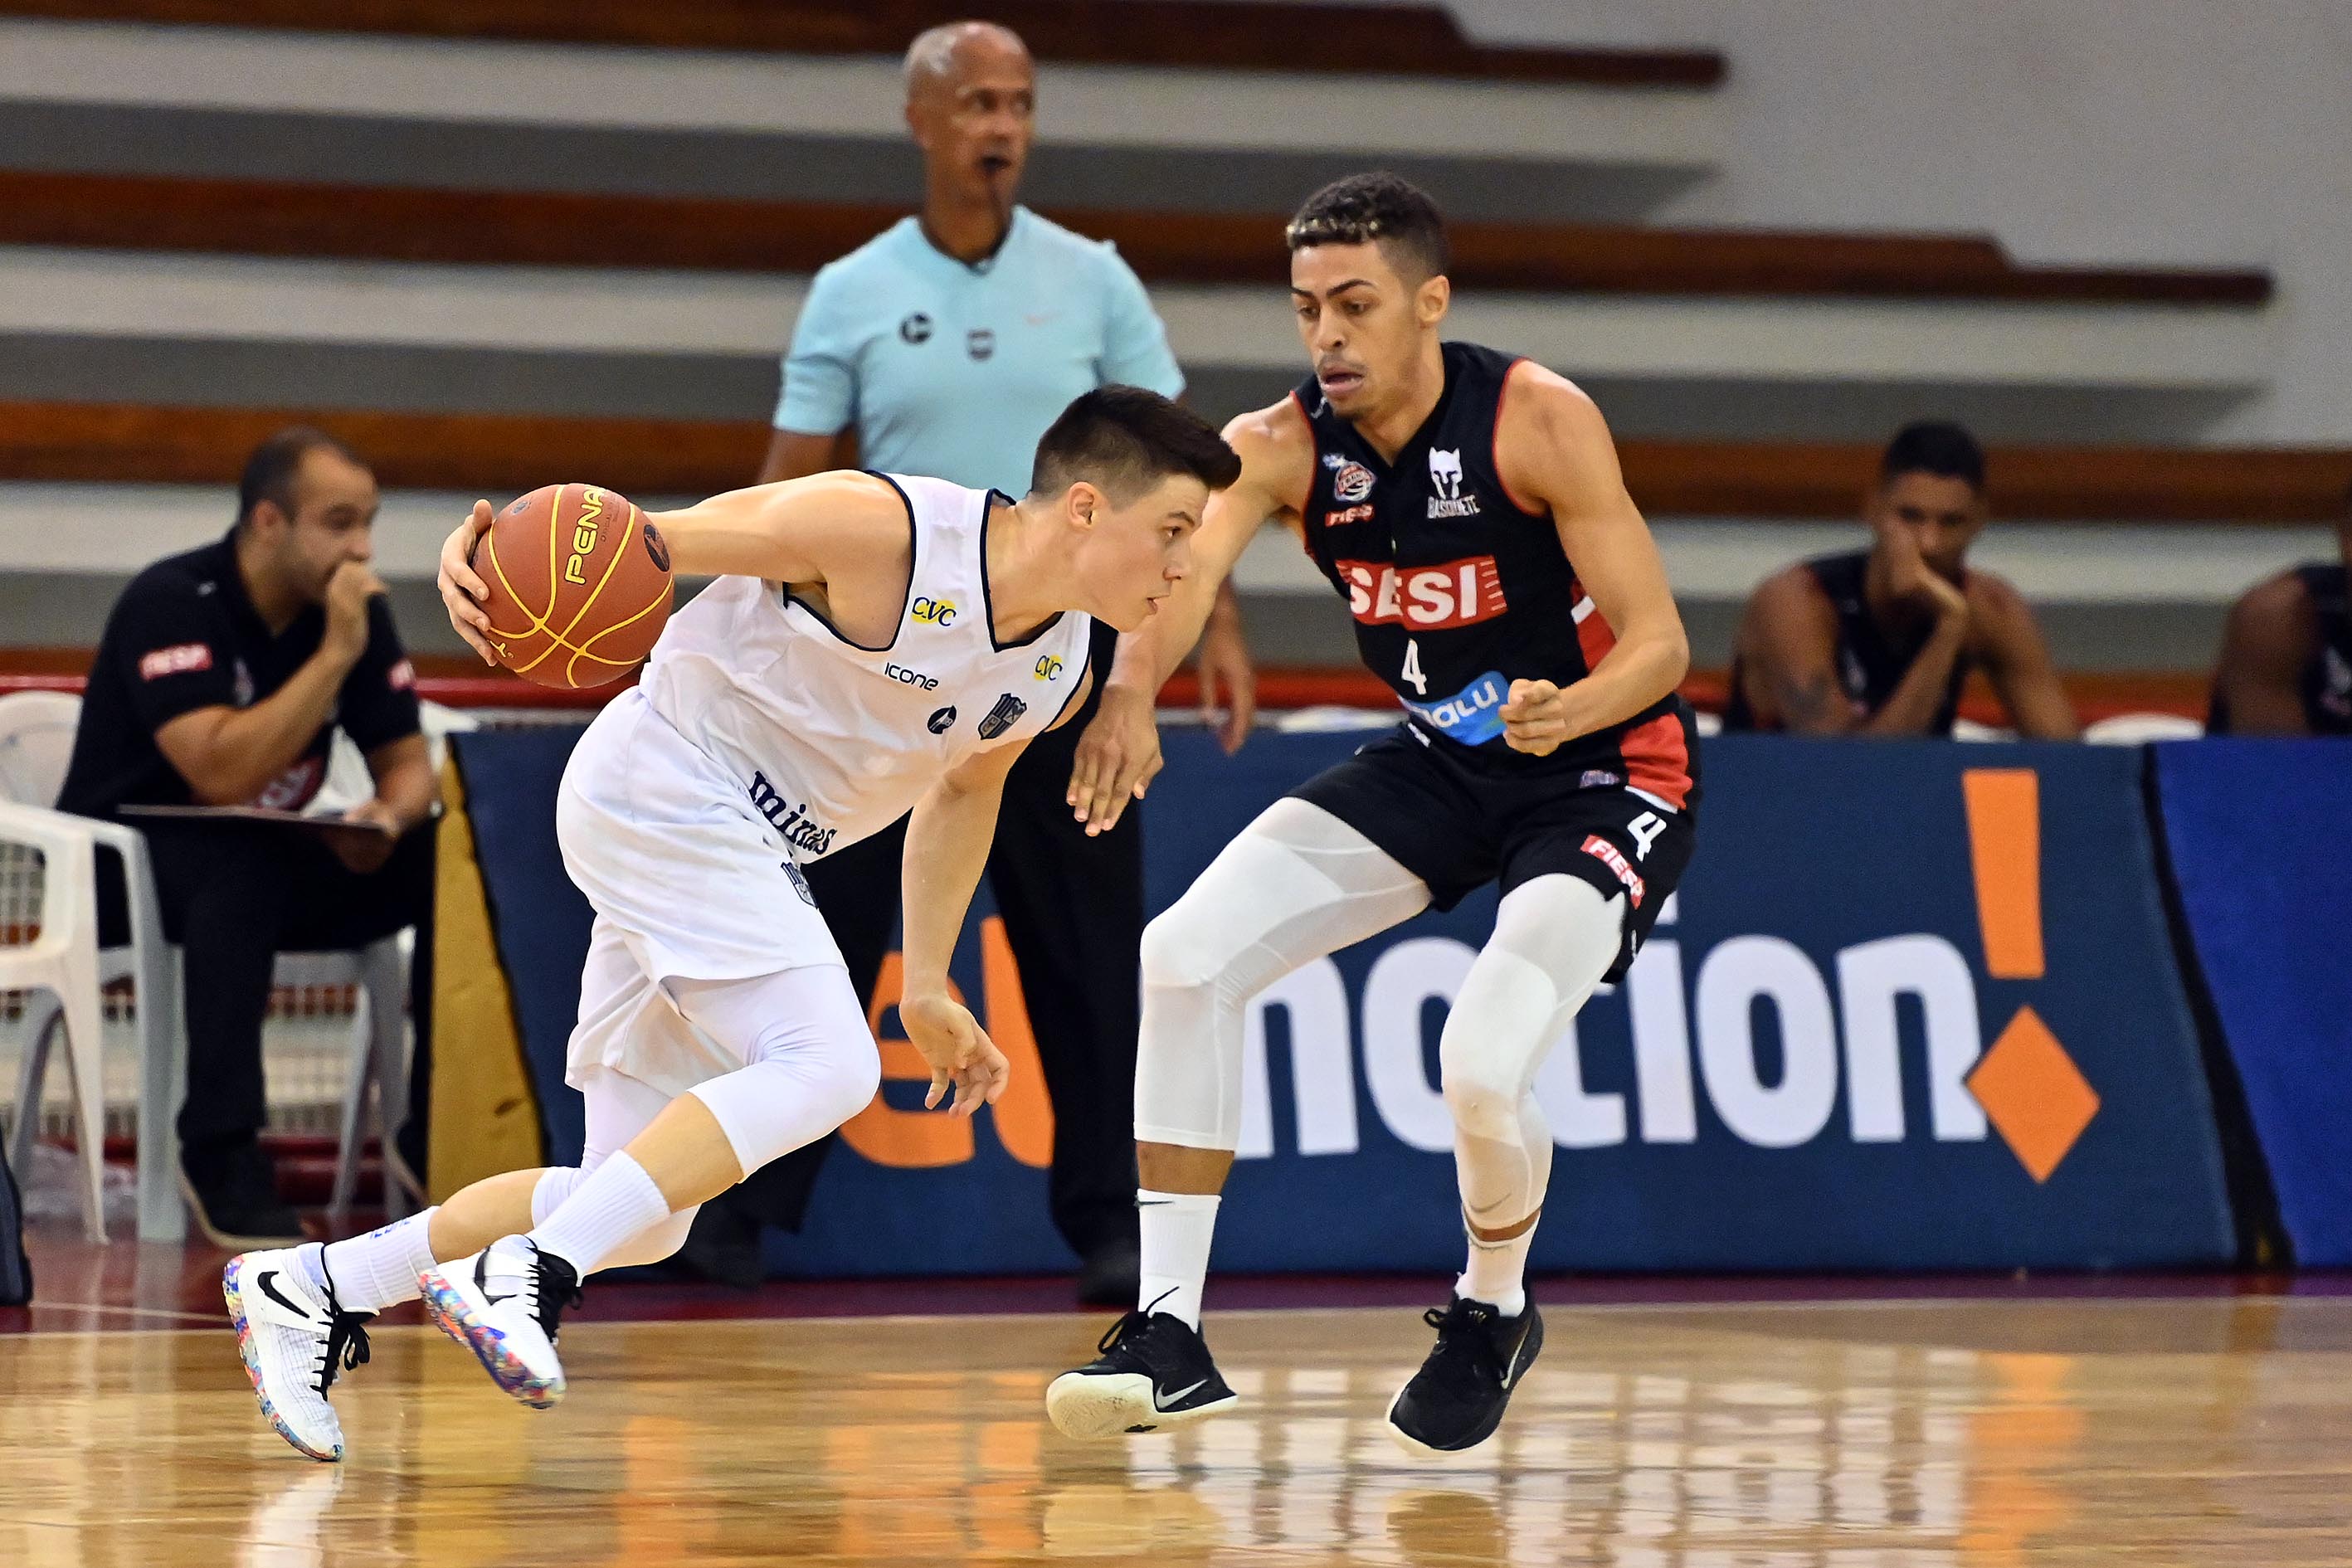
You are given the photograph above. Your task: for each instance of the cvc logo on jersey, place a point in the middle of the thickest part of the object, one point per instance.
(1446, 479)
(1693, 1023)
(934, 611)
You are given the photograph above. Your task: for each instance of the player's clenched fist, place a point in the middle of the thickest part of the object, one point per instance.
(1535, 719)
(960, 1054)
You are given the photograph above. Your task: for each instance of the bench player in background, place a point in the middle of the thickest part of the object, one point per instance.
(1468, 505)
(1880, 641)
(2286, 654)
(718, 1026)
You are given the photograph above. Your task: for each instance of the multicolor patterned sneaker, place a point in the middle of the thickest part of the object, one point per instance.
(295, 1337)
(505, 1304)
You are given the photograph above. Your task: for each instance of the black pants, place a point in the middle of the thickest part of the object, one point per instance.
(234, 897)
(1072, 910)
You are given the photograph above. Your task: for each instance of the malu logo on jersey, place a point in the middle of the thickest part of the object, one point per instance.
(934, 611)
(1473, 715)
(1427, 599)
(1446, 479)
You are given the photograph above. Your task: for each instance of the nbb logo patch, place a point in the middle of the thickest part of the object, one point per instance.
(1426, 598)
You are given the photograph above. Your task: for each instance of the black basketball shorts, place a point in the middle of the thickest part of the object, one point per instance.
(1458, 820)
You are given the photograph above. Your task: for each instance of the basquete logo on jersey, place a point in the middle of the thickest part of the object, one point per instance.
(1427, 599)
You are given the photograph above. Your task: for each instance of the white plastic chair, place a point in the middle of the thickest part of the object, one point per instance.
(48, 877)
(36, 739)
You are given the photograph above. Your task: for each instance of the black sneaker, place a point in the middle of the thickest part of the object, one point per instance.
(1456, 1400)
(232, 1193)
(1155, 1371)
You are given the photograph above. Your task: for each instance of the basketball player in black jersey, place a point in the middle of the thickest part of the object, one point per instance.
(2286, 655)
(1467, 507)
(1880, 641)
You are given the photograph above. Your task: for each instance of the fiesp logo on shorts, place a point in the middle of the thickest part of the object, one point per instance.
(934, 611)
(1839, 1031)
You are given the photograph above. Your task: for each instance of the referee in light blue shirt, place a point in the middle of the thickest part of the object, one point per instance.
(945, 346)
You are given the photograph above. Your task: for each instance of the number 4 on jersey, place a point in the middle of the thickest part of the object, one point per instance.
(1412, 666)
(1645, 829)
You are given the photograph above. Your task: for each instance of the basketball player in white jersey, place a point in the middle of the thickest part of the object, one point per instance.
(874, 643)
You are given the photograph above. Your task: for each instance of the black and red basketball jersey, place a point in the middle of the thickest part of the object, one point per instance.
(1458, 590)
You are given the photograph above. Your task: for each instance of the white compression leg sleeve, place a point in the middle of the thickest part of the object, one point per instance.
(810, 1064)
(1298, 883)
(1554, 938)
(810, 1060)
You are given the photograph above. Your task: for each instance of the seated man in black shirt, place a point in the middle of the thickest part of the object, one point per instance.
(2286, 654)
(220, 679)
(1880, 641)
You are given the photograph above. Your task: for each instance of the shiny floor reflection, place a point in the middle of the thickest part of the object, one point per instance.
(1851, 1435)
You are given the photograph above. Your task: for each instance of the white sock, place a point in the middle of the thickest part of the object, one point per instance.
(1497, 1273)
(610, 1206)
(1177, 1227)
(376, 1270)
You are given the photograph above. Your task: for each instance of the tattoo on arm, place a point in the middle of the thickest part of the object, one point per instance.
(1805, 700)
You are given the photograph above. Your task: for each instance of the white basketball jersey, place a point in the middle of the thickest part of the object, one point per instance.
(833, 742)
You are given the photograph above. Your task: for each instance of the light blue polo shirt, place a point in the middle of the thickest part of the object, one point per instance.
(954, 370)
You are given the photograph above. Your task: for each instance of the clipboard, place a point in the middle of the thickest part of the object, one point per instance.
(328, 827)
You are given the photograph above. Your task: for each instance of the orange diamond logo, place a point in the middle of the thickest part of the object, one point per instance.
(2037, 1097)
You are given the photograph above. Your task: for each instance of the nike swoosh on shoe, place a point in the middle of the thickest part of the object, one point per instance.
(268, 1281)
(1164, 1407)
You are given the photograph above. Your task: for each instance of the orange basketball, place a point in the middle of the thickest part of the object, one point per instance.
(579, 585)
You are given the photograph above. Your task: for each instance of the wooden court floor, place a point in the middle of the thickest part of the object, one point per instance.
(1844, 1435)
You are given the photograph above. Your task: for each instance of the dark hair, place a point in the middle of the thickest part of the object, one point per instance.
(1931, 446)
(269, 472)
(1379, 208)
(1126, 440)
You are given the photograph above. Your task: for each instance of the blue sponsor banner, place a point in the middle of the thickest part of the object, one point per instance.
(2256, 831)
(1914, 1007)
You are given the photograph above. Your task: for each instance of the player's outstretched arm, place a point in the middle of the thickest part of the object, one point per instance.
(948, 837)
(1557, 455)
(1119, 753)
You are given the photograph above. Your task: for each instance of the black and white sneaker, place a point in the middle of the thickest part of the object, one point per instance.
(1457, 1398)
(1154, 1373)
